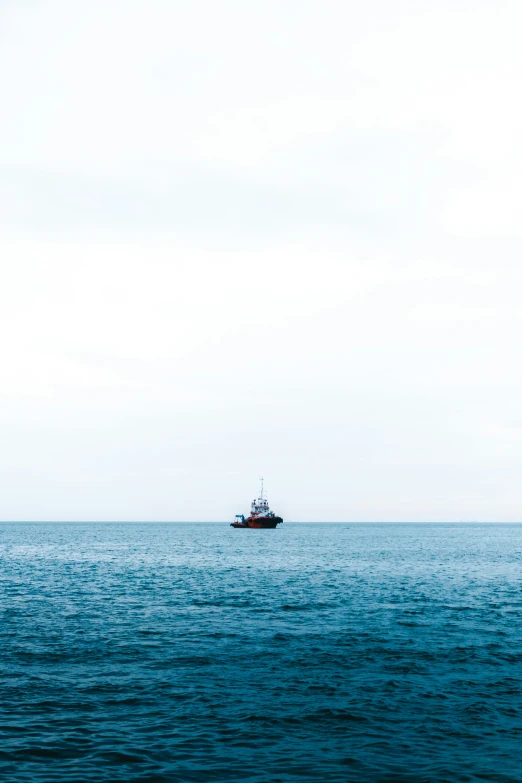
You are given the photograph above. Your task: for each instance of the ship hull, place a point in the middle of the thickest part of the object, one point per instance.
(263, 523)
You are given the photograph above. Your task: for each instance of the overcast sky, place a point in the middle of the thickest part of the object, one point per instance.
(277, 237)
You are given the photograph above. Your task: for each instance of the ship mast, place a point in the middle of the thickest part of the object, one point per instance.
(261, 479)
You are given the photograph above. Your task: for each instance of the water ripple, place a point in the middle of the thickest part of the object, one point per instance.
(165, 653)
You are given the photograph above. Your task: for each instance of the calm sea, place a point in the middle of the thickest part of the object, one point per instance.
(195, 652)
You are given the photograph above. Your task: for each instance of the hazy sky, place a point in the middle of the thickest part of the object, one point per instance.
(277, 237)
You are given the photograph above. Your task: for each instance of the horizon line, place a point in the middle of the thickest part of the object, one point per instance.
(224, 522)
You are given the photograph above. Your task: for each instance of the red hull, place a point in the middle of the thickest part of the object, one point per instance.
(266, 523)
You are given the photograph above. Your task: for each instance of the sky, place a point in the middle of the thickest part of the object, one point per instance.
(277, 238)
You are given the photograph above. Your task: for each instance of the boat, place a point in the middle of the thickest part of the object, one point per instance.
(260, 515)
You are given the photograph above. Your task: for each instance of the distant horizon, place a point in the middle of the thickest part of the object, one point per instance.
(224, 522)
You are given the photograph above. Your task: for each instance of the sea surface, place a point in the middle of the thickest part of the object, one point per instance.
(314, 652)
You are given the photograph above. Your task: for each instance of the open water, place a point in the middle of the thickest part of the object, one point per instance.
(195, 652)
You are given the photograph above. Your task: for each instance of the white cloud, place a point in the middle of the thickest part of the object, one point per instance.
(250, 135)
(485, 212)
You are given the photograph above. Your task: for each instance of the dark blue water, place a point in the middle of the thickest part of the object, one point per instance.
(186, 652)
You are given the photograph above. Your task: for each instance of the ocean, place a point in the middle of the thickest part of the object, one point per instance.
(314, 652)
